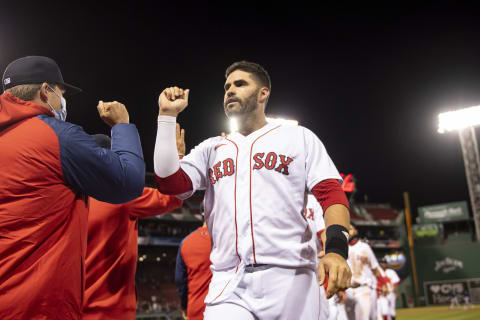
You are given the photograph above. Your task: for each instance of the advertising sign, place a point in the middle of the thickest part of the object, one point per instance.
(452, 211)
(441, 292)
(427, 230)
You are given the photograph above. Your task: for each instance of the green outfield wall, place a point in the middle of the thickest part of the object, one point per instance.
(443, 265)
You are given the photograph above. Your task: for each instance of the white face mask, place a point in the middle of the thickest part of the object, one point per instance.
(62, 113)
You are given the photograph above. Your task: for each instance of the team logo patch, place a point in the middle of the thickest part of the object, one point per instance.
(6, 81)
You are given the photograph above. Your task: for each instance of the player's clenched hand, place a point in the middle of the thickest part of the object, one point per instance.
(113, 113)
(339, 273)
(180, 135)
(172, 101)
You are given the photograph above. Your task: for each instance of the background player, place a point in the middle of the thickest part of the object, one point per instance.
(192, 272)
(255, 179)
(365, 269)
(314, 215)
(112, 249)
(390, 283)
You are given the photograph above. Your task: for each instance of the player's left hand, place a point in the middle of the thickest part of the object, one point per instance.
(339, 273)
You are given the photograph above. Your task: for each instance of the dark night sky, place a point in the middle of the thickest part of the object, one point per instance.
(368, 81)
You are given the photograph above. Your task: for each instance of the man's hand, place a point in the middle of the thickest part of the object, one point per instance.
(172, 101)
(113, 113)
(339, 273)
(184, 314)
(180, 133)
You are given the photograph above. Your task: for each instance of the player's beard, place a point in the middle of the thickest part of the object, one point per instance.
(249, 105)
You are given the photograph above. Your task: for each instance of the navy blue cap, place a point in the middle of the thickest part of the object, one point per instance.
(34, 69)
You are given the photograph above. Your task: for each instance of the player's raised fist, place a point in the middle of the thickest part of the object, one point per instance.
(113, 113)
(172, 101)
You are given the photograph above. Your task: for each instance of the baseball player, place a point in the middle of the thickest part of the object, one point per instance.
(263, 262)
(365, 269)
(390, 283)
(192, 272)
(314, 215)
(454, 299)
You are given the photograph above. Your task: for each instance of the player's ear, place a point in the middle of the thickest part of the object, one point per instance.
(263, 95)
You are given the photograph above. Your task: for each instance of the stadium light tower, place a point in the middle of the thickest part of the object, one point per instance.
(463, 121)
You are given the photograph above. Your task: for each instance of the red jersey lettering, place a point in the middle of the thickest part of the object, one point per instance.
(210, 174)
(258, 161)
(216, 170)
(284, 162)
(228, 167)
(271, 160)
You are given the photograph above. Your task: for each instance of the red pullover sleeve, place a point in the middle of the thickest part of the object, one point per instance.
(174, 184)
(329, 192)
(152, 203)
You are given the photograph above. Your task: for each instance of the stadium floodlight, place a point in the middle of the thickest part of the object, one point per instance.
(458, 119)
(463, 121)
(282, 121)
(234, 124)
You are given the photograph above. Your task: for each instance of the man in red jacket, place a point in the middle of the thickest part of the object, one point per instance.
(112, 249)
(49, 169)
(192, 272)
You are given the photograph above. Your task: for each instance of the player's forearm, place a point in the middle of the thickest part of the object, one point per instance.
(165, 157)
(337, 219)
(337, 214)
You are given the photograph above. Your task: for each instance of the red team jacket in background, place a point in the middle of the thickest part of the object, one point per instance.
(47, 167)
(112, 253)
(192, 272)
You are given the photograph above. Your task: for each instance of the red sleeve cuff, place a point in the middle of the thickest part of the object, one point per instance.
(174, 184)
(329, 192)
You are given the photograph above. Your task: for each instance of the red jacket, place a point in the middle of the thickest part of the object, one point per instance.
(112, 253)
(192, 272)
(48, 167)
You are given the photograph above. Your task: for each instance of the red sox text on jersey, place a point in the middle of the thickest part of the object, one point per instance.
(269, 162)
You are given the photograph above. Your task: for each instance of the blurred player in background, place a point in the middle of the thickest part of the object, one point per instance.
(314, 215)
(466, 300)
(365, 269)
(112, 249)
(192, 272)
(387, 290)
(454, 299)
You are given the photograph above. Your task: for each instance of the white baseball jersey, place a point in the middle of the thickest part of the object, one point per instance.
(362, 260)
(255, 190)
(393, 279)
(314, 215)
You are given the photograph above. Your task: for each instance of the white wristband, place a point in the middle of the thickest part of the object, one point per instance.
(165, 158)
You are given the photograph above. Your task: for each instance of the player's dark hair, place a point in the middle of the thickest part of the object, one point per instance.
(257, 70)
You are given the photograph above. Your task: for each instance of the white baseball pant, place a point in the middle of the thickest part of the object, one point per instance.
(270, 292)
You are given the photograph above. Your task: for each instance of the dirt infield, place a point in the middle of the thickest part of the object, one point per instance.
(438, 313)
